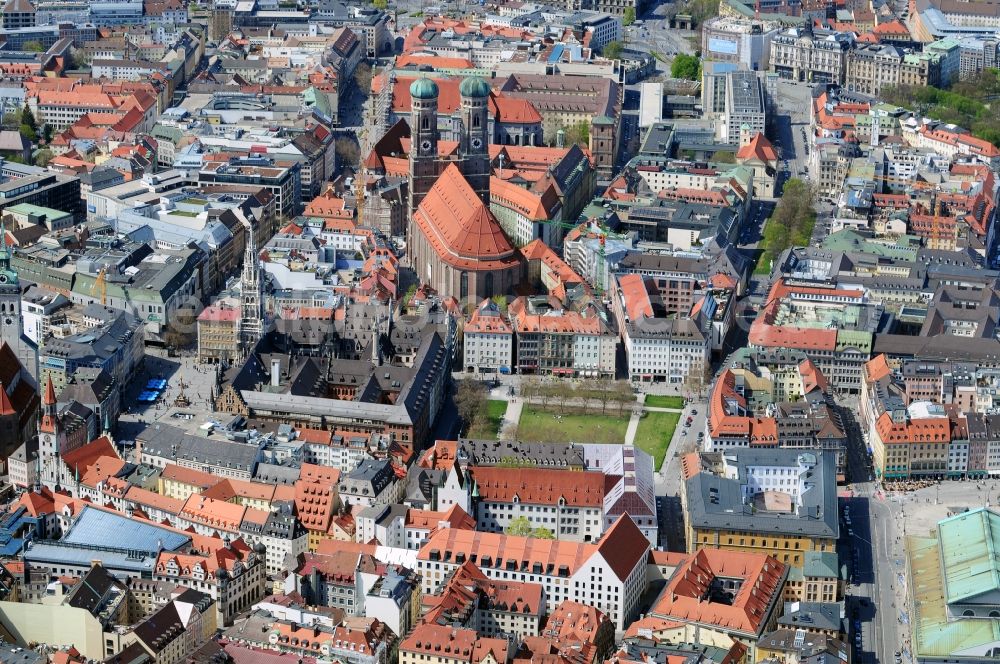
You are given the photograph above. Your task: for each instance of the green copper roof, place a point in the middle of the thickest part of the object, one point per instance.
(424, 88)
(474, 86)
(970, 549)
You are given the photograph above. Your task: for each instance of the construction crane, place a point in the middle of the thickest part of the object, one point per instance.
(101, 285)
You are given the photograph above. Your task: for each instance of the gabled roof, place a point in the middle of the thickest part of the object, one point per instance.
(510, 110)
(460, 227)
(539, 486)
(758, 148)
(623, 546)
(82, 458)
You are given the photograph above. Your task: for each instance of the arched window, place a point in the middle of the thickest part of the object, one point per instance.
(475, 122)
(488, 285)
(463, 287)
(425, 123)
(968, 613)
(994, 614)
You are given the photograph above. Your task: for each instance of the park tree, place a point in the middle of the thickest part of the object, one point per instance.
(629, 17)
(686, 66)
(470, 401)
(613, 50)
(792, 222)
(381, 4)
(501, 302)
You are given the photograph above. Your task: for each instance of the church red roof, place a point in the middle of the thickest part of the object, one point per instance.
(760, 148)
(460, 228)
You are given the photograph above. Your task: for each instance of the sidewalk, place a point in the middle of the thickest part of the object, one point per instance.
(633, 426)
(511, 418)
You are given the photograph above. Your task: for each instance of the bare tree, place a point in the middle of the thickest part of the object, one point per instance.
(470, 401)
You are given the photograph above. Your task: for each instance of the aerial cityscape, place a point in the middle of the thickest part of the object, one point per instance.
(499, 332)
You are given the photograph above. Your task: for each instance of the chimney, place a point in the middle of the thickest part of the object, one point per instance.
(275, 372)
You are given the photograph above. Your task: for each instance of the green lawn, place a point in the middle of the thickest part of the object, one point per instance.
(542, 426)
(654, 434)
(495, 410)
(664, 401)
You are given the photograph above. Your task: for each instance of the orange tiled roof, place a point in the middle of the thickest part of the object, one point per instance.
(479, 323)
(530, 204)
(515, 111)
(540, 486)
(923, 430)
(460, 228)
(189, 476)
(460, 644)
(84, 457)
(877, 368)
(441, 456)
(758, 148)
(435, 61)
(635, 296)
(684, 598)
(213, 513)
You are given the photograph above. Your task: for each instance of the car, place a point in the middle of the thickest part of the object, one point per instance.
(850, 532)
(694, 412)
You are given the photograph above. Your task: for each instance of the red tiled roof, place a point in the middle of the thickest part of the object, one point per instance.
(684, 600)
(515, 111)
(461, 644)
(219, 314)
(635, 296)
(189, 476)
(460, 228)
(530, 204)
(623, 545)
(877, 368)
(435, 61)
(758, 148)
(892, 28)
(922, 430)
(540, 486)
(82, 458)
(441, 456)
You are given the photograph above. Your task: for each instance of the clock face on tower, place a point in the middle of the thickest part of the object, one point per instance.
(3, 278)
(477, 143)
(425, 146)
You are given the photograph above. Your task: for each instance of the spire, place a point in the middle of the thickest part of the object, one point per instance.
(251, 314)
(50, 393)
